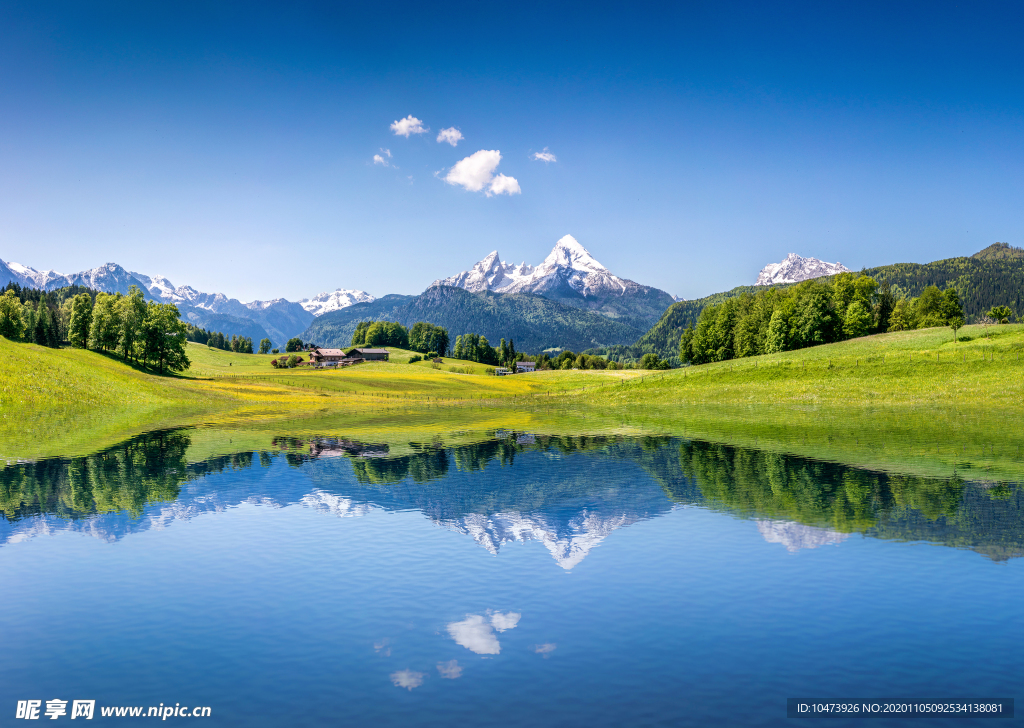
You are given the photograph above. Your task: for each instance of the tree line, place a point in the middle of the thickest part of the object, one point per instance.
(151, 334)
(219, 340)
(424, 337)
(819, 311)
(37, 316)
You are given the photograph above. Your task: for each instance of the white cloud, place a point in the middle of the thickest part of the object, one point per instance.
(450, 669)
(407, 679)
(451, 135)
(502, 622)
(408, 125)
(475, 634)
(545, 649)
(378, 159)
(544, 156)
(502, 185)
(476, 172)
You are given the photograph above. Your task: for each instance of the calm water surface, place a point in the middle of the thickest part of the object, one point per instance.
(515, 580)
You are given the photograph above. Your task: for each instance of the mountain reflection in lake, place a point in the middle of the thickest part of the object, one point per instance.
(228, 580)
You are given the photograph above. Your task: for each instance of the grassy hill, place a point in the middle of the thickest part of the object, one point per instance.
(909, 402)
(533, 322)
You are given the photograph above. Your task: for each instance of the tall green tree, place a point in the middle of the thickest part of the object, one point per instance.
(42, 333)
(816, 321)
(294, 344)
(359, 335)
(778, 333)
(163, 334)
(858, 320)
(929, 308)
(81, 320)
(903, 316)
(686, 344)
(131, 312)
(951, 308)
(265, 346)
(105, 332)
(12, 322)
(884, 307)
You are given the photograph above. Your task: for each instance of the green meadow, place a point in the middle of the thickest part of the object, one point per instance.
(914, 402)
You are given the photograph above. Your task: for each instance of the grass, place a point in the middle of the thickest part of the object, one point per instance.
(911, 402)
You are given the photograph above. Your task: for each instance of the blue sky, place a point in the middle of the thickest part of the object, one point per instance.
(231, 146)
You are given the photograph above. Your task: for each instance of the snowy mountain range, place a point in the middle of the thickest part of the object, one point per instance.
(569, 274)
(335, 301)
(568, 264)
(277, 319)
(796, 268)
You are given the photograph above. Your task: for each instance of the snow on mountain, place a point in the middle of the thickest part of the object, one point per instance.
(796, 268)
(568, 264)
(795, 536)
(31, 276)
(334, 300)
(109, 277)
(277, 318)
(158, 286)
(568, 543)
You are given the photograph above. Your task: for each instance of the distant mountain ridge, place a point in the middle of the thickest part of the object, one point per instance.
(568, 300)
(277, 319)
(795, 268)
(569, 275)
(534, 322)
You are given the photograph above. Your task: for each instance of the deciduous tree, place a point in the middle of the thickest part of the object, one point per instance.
(81, 320)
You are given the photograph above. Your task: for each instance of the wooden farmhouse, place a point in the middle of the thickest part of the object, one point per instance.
(319, 357)
(369, 354)
(323, 356)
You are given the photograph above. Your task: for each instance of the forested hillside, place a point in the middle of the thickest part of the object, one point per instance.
(533, 322)
(992, 277)
(663, 338)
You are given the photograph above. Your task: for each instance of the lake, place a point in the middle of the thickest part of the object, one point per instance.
(500, 578)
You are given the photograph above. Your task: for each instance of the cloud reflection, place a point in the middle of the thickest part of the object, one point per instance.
(502, 622)
(407, 679)
(450, 669)
(476, 632)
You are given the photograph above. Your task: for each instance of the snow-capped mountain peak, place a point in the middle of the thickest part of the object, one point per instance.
(25, 275)
(569, 253)
(796, 268)
(335, 300)
(158, 286)
(569, 268)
